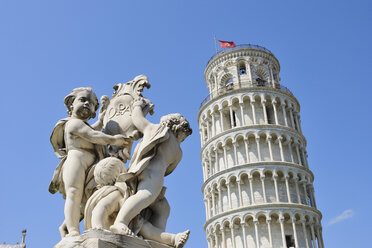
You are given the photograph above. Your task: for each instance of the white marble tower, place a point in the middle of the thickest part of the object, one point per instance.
(258, 188)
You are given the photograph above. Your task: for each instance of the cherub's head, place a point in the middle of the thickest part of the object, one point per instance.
(178, 124)
(105, 100)
(107, 171)
(82, 102)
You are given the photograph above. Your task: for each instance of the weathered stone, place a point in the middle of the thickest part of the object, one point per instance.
(96, 238)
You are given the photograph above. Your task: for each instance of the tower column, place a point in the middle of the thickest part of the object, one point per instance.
(216, 238)
(216, 158)
(225, 156)
(263, 102)
(258, 148)
(221, 119)
(290, 151)
(203, 133)
(297, 190)
(280, 138)
(248, 66)
(208, 131)
(305, 191)
(242, 112)
(275, 113)
(219, 189)
(311, 189)
(295, 231)
(287, 187)
(298, 122)
(244, 234)
(229, 194)
(232, 235)
(250, 178)
(246, 144)
(231, 117)
(263, 188)
(304, 157)
(291, 117)
(305, 233)
(208, 207)
(268, 221)
(213, 124)
(222, 229)
(271, 76)
(312, 234)
(281, 221)
(256, 232)
(238, 182)
(284, 114)
(268, 139)
(253, 112)
(275, 178)
(213, 202)
(298, 154)
(235, 153)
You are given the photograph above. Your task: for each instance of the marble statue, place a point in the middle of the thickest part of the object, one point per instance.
(92, 176)
(77, 150)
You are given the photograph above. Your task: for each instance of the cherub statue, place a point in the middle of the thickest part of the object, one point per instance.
(74, 141)
(155, 157)
(104, 205)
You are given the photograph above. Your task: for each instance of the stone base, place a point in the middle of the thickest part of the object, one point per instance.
(95, 238)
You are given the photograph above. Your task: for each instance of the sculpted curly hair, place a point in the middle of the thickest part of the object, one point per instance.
(107, 170)
(69, 99)
(176, 122)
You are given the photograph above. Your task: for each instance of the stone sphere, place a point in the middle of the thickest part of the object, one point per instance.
(107, 170)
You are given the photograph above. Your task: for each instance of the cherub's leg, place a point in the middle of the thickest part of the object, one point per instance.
(104, 209)
(148, 231)
(73, 178)
(160, 213)
(147, 191)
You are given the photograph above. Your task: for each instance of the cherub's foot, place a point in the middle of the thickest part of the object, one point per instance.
(72, 234)
(181, 239)
(63, 230)
(121, 229)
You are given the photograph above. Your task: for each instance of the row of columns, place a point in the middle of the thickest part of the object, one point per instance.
(216, 83)
(208, 159)
(211, 195)
(208, 125)
(215, 241)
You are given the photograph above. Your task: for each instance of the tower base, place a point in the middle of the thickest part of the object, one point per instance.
(95, 238)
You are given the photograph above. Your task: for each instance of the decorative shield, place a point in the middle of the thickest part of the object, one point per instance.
(118, 117)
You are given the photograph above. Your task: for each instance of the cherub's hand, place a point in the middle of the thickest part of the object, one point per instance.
(105, 100)
(120, 140)
(139, 102)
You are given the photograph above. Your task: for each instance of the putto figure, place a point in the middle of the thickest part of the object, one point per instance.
(116, 203)
(155, 157)
(74, 141)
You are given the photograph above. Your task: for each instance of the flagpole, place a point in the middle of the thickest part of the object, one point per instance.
(215, 43)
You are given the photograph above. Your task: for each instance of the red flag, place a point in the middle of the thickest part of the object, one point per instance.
(226, 43)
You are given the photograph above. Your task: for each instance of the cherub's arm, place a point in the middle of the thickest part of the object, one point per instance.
(101, 114)
(138, 117)
(97, 125)
(81, 129)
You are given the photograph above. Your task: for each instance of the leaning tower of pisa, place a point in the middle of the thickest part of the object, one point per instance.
(258, 188)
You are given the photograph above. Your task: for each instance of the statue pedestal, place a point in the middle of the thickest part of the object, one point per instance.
(95, 238)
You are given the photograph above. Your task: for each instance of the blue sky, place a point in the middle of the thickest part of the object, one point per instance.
(47, 48)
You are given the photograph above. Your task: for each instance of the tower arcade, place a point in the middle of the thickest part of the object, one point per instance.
(258, 188)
